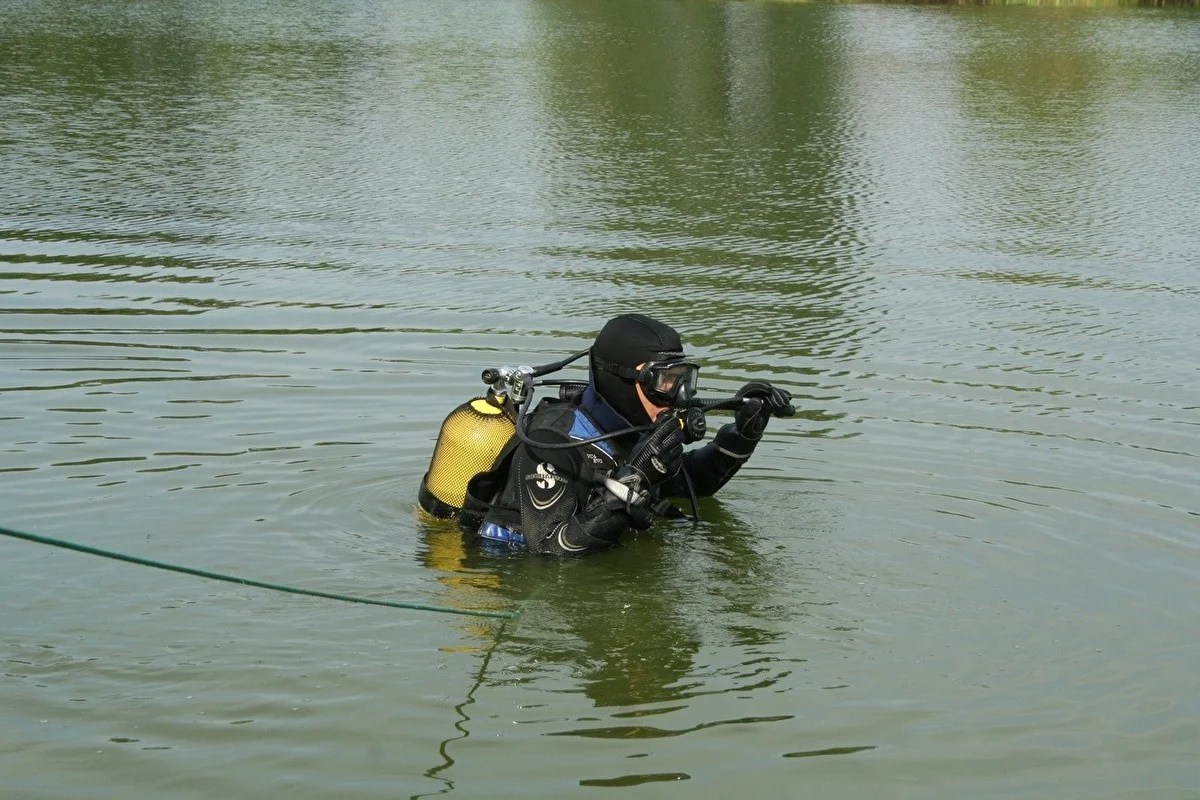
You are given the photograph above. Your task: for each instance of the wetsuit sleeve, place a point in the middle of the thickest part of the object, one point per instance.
(561, 511)
(711, 466)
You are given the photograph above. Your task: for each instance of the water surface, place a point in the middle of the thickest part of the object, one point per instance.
(251, 254)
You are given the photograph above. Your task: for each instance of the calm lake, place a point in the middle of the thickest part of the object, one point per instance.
(251, 254)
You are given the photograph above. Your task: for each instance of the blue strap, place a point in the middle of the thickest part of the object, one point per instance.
(499, 533)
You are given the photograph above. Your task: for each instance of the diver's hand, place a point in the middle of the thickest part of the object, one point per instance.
(658, 455)
(751, 419)
(778, 401)
(760, 401)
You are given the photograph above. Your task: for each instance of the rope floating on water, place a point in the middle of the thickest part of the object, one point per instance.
(277, 587)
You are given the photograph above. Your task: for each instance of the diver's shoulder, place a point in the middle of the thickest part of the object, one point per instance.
(552, 414)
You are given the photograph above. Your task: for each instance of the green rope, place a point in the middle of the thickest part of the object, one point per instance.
(278, 587)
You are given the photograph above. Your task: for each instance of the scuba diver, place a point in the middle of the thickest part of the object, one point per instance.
(603, 457)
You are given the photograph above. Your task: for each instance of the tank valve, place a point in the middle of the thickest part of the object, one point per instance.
(514, 382)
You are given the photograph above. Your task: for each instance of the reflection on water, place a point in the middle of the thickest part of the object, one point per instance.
(630, 633)
(250, 256)
(693, 162)
(643, 638)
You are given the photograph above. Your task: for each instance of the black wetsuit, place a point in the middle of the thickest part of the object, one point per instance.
(555, 501)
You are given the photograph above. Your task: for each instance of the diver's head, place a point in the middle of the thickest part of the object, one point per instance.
(639, 367)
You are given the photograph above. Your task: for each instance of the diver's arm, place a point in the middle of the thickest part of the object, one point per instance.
(596, 527)
(710, 467)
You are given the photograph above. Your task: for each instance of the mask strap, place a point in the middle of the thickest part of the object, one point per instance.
(628, 373)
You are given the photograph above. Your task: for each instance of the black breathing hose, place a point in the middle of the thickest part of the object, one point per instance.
(524, 437)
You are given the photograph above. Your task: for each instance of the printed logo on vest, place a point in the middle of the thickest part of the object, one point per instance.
(545, 486)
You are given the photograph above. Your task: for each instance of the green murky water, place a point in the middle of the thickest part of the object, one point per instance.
(251, 254)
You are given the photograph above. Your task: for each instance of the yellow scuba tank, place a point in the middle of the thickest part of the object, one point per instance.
(471, 438)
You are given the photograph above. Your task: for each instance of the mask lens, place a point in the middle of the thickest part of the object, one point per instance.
(667, 381)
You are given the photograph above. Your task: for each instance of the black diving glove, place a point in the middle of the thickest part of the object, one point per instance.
(656, 458)
(659, 454)
(761, 401)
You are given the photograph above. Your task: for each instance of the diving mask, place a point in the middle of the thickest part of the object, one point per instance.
(667, 383)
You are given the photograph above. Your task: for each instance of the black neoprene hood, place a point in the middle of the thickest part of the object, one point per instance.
(629, 340)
